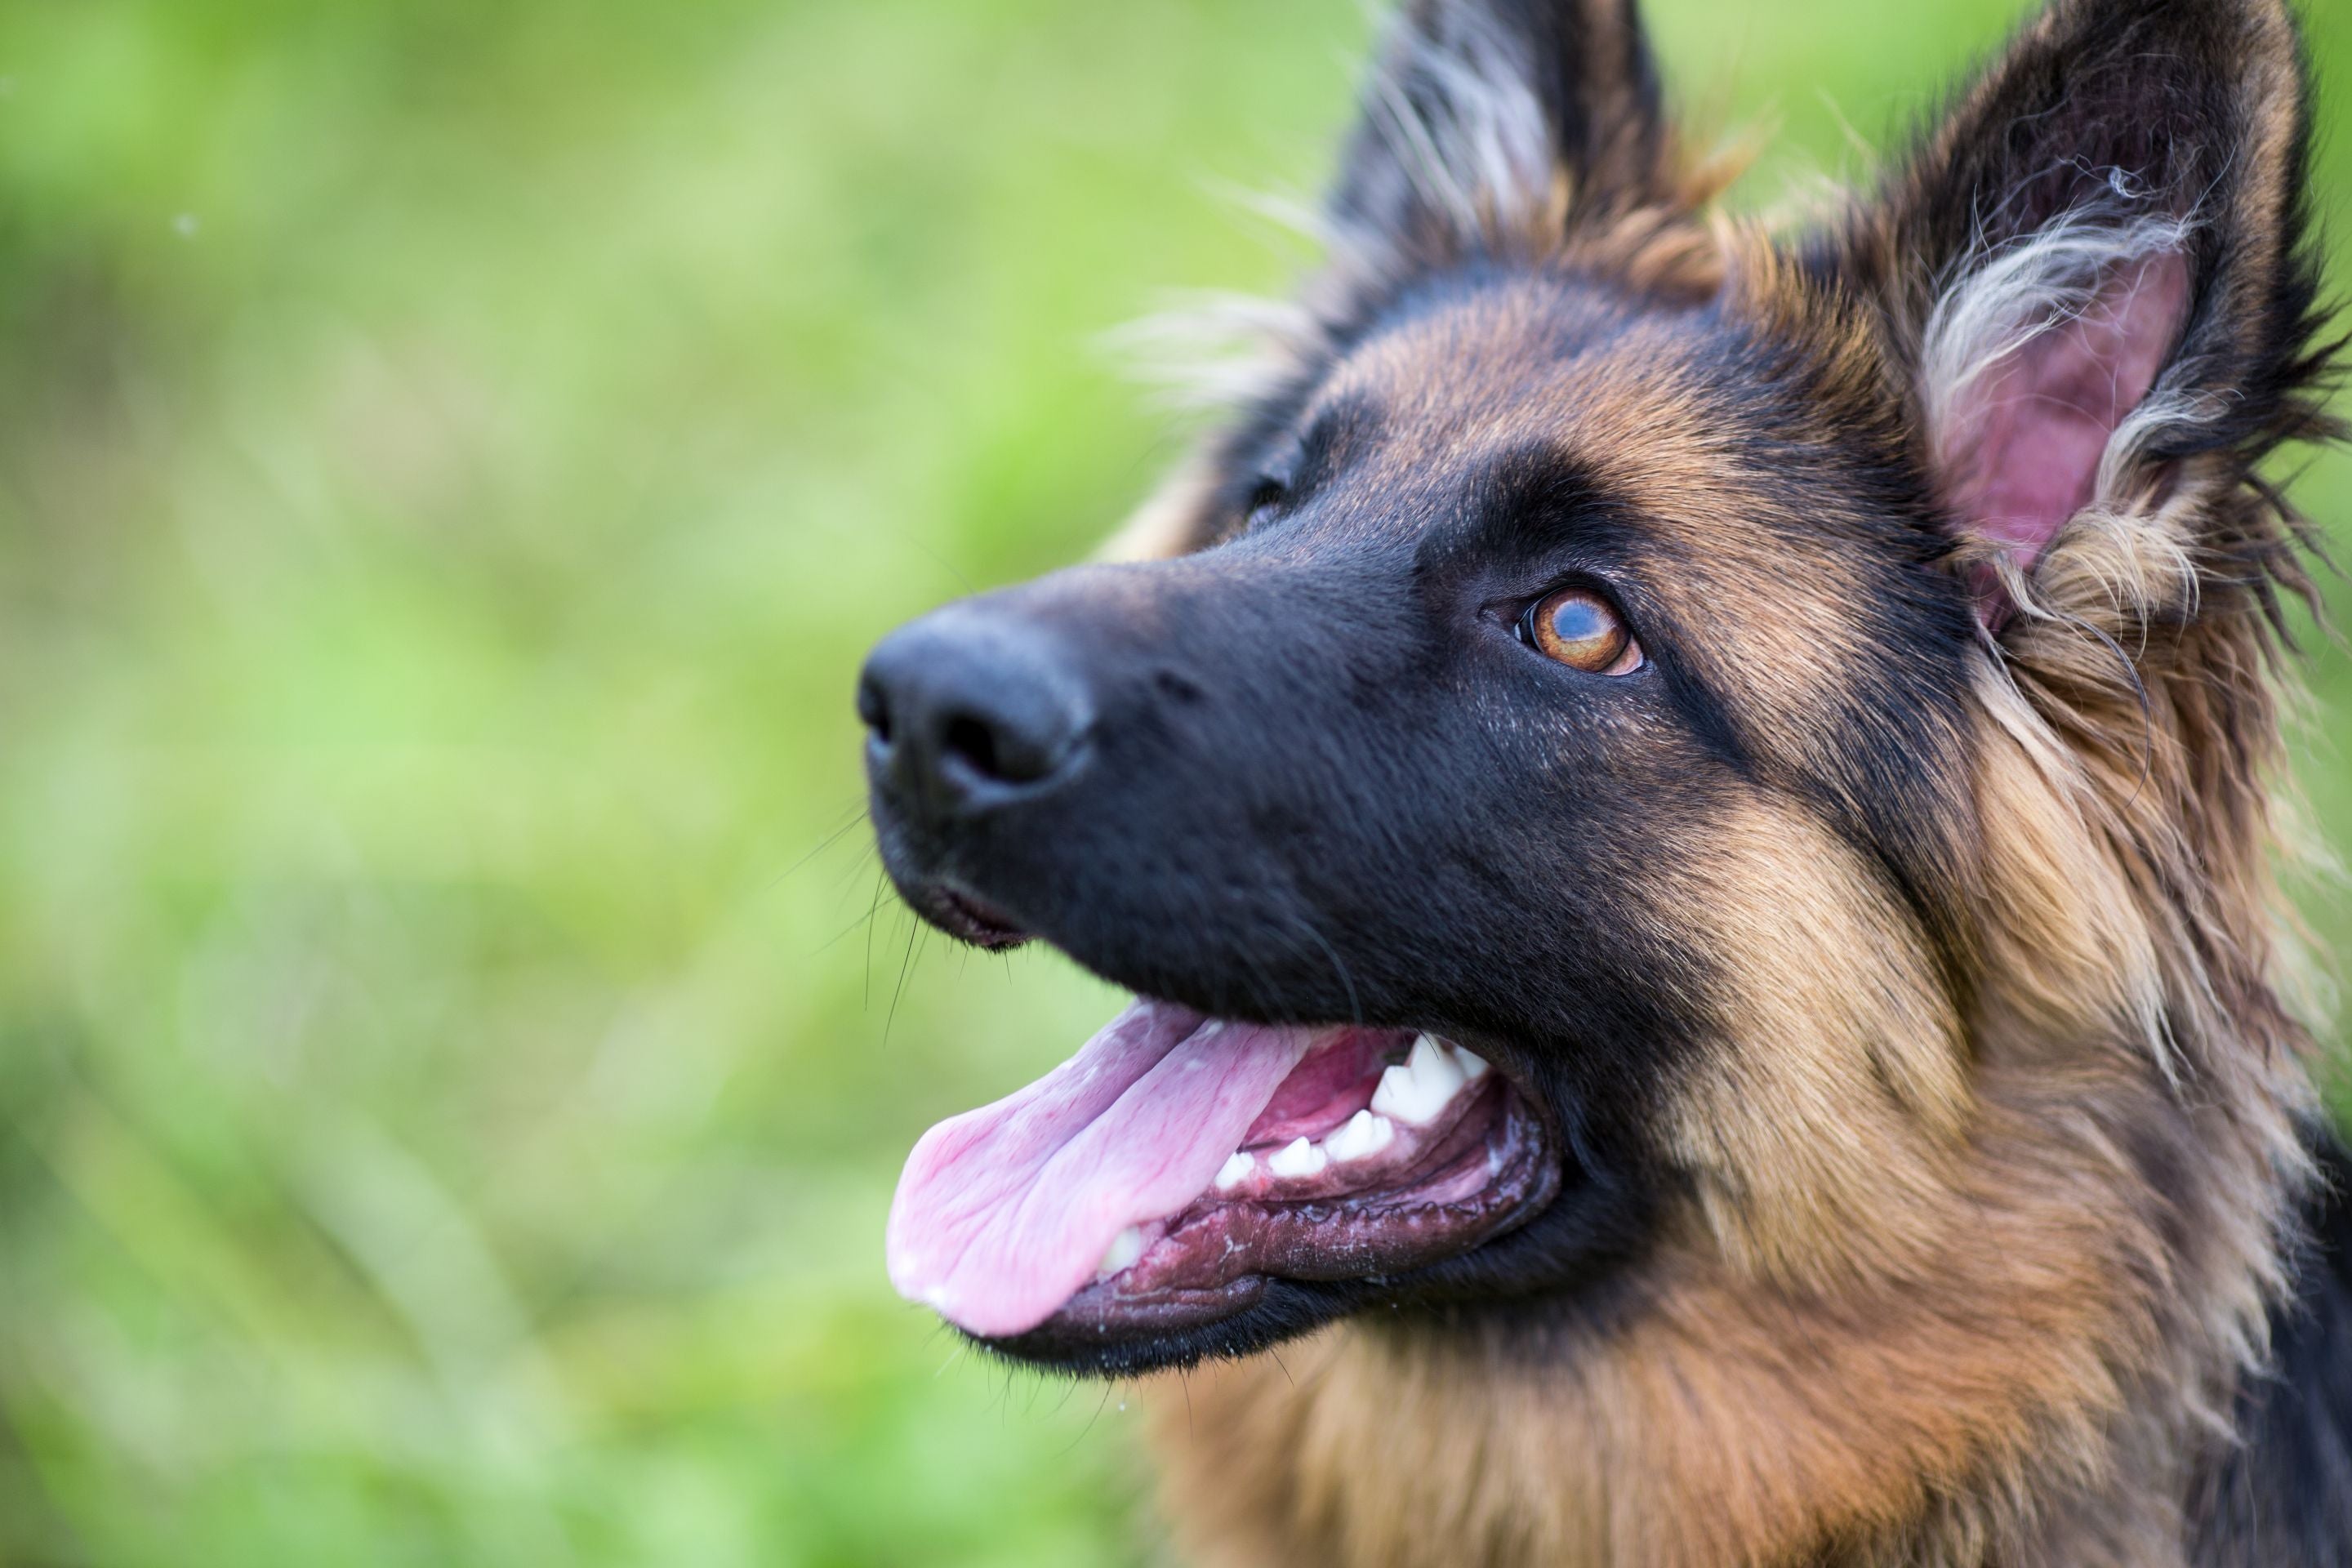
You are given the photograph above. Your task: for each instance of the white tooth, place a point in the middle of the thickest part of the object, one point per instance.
(1124, 1248)
(1237, 1170)
(1364, 1134)
(1419, 1090)
(1473, 1065)
(1394, 1094)
(1428, 1056)
(1297, 1158)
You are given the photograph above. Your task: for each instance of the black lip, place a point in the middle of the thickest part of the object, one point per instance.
(973, 919)
(1562, 1263)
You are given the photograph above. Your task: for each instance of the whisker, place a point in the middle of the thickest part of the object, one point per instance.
(880, 878)
(916, 930)
(856, 815)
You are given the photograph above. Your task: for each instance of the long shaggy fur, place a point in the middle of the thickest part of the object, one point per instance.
(1982, 1245)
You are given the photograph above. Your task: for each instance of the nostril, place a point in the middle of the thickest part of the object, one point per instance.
(975, 741)
(874, 708)
(962, 709)
(1001, 748)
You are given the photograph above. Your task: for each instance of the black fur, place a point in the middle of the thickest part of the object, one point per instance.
(1311, 772)
(2282, 1495)
(1322, 776)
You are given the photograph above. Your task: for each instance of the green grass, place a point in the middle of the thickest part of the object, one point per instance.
(452, 458)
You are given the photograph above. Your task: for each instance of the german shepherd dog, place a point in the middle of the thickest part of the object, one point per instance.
(1689, 811)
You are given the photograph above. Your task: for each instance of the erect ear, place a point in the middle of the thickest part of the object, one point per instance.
(1492, 126)
(2096, 270)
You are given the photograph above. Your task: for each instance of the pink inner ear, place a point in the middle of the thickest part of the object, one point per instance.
(2027, 433)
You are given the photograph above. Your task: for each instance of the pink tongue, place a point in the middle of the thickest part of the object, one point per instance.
(1004, 1212)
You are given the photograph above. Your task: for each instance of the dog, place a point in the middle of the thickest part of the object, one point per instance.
(1689, 811)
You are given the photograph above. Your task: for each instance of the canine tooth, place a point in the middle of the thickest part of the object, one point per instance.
(1235, 1169)
(1473, 1065)
(1124, 1248)
(1417, 1091)
(1297, 1158)
(1363, 1134)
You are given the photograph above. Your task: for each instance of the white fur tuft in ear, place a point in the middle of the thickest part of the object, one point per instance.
(1460, 116)
(2036, 362)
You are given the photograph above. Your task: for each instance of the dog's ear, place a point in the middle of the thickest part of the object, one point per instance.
(2095, 274)
(1492, 126)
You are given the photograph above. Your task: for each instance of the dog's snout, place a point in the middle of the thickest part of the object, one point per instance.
(968, 705)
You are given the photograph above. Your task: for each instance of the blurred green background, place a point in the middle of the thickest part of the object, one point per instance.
(452, 458)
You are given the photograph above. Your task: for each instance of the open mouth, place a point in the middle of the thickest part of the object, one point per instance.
(1161, 1177)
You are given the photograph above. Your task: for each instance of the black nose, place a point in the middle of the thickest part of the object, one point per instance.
(970, 706)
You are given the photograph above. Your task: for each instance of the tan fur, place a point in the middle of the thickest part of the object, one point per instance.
(1928, 1290)
(1172, 519)
(1957, 1384)
(1968, 1268)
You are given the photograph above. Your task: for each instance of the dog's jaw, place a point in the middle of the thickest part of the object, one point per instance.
(1149, 1193)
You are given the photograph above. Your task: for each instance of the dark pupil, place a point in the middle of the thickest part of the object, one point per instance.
(1580, 620)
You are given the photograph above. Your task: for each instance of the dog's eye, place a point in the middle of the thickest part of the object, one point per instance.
(1265, 496)
(1580, 629)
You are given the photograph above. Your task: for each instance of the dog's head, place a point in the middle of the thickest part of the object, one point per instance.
(1633, 712)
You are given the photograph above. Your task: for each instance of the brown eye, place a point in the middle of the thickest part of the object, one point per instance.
(1580, 629)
